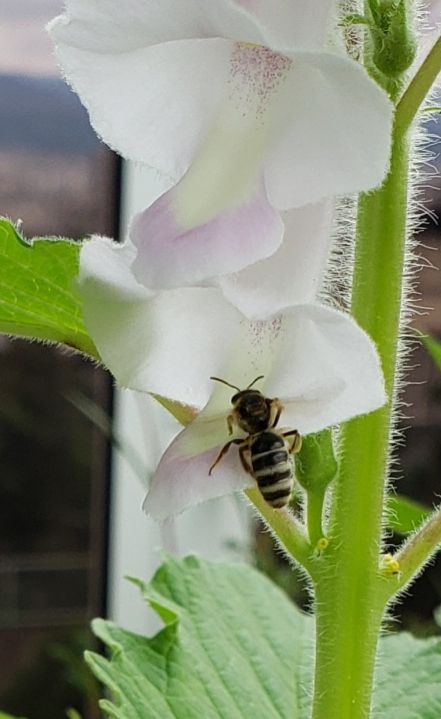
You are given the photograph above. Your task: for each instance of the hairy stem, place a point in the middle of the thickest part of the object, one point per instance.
(350, 594)
(418, 89)
(314, 515)
(286, 528)
(417, 551)
(349, 598)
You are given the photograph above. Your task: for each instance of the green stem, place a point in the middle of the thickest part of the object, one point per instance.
(350, 594)
(349, 599)
(314, 515)
(287, 530)
(418, 89)
(416, 552)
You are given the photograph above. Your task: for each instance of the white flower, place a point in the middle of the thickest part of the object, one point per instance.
(242, 104)
(321, 365)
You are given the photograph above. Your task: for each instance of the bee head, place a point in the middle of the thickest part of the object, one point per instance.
(251, 410)
(251, 399)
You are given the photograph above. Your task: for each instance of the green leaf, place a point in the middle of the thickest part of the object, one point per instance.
(433, 347)
(38, 298)
(405, 515)
(408, 678)
(71, 714)
(233, 647)
(6, 716)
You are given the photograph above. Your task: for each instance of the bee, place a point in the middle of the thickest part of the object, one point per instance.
(264, 453)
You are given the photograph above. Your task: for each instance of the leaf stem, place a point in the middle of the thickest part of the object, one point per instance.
(417, 551)
(287, 530)
(418, 89)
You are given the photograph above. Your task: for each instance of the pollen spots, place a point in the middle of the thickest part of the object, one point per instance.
(322, 544)
(256, 73)
(389, 565)
(263, 336)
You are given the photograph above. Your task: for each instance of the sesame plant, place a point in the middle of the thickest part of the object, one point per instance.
(277, 260)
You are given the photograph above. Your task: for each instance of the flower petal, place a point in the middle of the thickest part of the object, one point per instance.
(114, 306)
(334, 138)
(326, 369)
(172, 253)
(317, 360)
(293, 24)
(115, 27)
(162, 344)
(153, 105)
(181, 481)
(108, 264)
(292, 275)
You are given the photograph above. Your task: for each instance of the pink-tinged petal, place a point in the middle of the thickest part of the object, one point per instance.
(293, 24)
(171, 254)
(293, 274)
(182, 481)
(334, 132)
(325, 370)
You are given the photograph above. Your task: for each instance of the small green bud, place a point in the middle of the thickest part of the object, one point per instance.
(394, 44)
(316, 464)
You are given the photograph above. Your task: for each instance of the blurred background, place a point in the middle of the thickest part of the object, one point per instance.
(58, 179)
(71, 481)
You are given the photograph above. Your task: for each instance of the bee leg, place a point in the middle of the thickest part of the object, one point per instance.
(276, 410)
(243, 458)
(223, 452)
(296, 441)
(230, 422)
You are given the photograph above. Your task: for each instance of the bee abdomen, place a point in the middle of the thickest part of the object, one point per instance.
(274, 477)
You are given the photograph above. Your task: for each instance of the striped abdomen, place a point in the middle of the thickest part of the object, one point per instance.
(272, 468)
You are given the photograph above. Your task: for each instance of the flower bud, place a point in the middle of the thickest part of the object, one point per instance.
(393, 38)
(316, 464)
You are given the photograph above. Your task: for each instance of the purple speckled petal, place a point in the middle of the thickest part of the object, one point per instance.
(334, 134)
(217, 219)
(182, 481)
(170, 255)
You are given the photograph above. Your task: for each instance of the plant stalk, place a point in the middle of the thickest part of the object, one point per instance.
(418, 89)
(286, 529)
(314, 514)
(349, 598)
(417, 551)
(350, 594)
